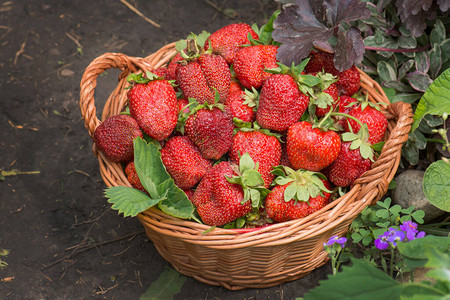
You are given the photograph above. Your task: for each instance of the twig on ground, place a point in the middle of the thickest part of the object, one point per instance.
(20, 52)
(134, 9)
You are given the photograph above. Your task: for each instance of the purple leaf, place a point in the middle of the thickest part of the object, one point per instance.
(349, 49)
(444, 5)
(415, 13)
(307, 22)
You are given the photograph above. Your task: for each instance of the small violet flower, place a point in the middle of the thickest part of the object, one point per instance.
(390, 237)
(336, 240)
(410, 228)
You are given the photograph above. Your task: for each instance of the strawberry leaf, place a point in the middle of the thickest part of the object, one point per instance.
(176, 203)
(129, 201)
(290, 192)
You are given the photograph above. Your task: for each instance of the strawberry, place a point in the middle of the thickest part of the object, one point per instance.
(211, 130)
(190, 194)
(348, 166)
(311, 148)
(241, 104)
(199, 78)
(297, 195)
(235, 86)
(345, 104)
(321, 62)
(349, 81)
(153, 103)
(281, 103)
(375, 120)
(250, 62)
(217, 200)
(172, 67)
(114, 137)
(184, 162)
(264, 149)
(132, 176)
(182, 103)
(227, 40)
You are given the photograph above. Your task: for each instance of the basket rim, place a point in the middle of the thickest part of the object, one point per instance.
(367, 189)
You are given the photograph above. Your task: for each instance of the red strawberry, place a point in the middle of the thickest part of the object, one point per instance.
(321, 62)
(172, 67)
(349, 81)
(202, 77)
(311, 148)
(235, 86)
(190, 194)
(182, 103)
(132, 176)
(227, 40)
(346, 104)
(375, 120)
(211, 130)
(250, 62)
(241, 104)
(161, 72)
(333, 92)
(348, 166)
(218, 201)
(114, 137)
(263, 149)
(184, 162)
(281, 103)
(283, 204)
(154, 106)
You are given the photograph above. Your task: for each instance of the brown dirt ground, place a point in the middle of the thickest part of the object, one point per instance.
(45, 47)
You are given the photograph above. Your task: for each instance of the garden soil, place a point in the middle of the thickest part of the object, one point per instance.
(64, 240)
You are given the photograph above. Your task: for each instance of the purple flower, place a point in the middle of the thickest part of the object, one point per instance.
(335, 239)
(410, 228)
(390, 237)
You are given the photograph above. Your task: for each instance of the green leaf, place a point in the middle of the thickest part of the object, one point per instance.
(407, 42)
(309, 80)
(176, 203)
(246, 163)
(149, 166)
(419, 81)
(436, 60)
(168, 284)
(422, 62)
(440, 262)
(407, 97)
(417, 249)
(436, 99)
(418, 216)
(129, 201)
(252, 178)
(360, 281)
(437, 35)
(404, 68)
(386, 71)
(436, 184)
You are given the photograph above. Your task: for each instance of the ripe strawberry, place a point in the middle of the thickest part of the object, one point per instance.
(114, 137)
(321, 62)
(154, 106)
(184, 162)
(281, 103)
(132, 176)
(283, 202)
(211, 130)
(346, 104)
(235, 86)
(217, 200)
(182, 103)
(227, 40)
(241, 104)
(263, 149)
(349, 81)
(375, 120)
(348, 166)
(172, 67)
(202, 77)
(190, 194)
(311, 148)
(250, 62)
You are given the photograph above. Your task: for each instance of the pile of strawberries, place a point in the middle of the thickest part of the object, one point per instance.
(249, 140)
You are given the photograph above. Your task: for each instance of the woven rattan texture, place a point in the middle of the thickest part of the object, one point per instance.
(238, 259)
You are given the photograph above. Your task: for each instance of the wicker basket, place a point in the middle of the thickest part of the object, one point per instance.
(237, 259)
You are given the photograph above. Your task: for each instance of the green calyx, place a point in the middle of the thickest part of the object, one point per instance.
(140, 78)
(250, 180)
(359, 141)
(303, 184)
(248, 127)
(264, 32)
(193, 46)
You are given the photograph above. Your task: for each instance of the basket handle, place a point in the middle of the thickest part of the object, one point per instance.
(88, 83)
